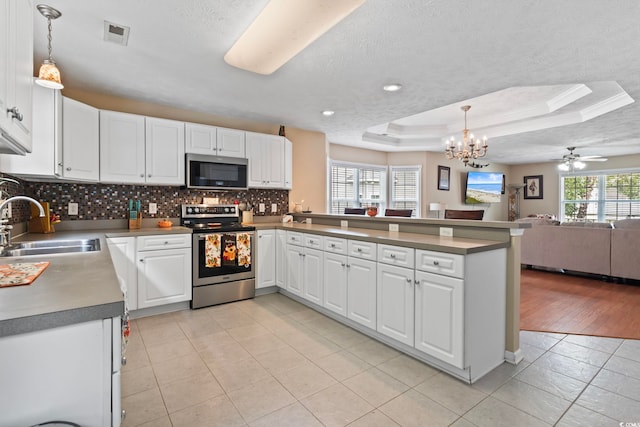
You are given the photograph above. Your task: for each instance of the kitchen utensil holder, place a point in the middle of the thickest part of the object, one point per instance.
(134, 224)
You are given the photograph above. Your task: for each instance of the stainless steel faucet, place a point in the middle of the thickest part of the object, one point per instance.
(5, 229)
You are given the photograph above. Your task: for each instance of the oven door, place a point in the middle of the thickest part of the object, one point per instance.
(222, 257)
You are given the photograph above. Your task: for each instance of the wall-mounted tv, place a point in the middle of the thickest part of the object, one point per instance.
(483, 187)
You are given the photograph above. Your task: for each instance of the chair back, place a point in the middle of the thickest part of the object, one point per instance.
(398, 212)
(354, 211)
(458, 214)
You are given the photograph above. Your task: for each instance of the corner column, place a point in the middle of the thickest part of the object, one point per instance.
(512, 353)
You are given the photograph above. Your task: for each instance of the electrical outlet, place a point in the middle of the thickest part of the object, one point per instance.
(344, 224)
(394, 227)
(274, 208)
(446, 231)
(72, 208)
(261, 207)
(153, 208)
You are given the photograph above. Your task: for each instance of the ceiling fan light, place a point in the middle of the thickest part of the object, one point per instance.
(49, 75)
(563, 167)
(579, 165)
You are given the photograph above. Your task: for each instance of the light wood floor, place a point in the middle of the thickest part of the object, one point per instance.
(555, 302)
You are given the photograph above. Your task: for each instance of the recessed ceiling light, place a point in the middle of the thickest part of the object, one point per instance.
(392, 87)
(328, 113)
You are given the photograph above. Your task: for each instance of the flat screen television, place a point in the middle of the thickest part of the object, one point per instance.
(483, 187)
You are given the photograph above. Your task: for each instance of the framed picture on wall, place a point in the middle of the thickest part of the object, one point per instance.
(444, 177)
(533, 187)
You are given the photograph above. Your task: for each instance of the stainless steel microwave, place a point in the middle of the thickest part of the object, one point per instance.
(215, 172)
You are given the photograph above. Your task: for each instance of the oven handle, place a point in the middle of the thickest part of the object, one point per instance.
(202, 236)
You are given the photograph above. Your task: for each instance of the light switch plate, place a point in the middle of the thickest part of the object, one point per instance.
(274, 208)
(446, 231)
(72, 208)
(153, 208)
(344, 224)
(261, 207)
(394, 227)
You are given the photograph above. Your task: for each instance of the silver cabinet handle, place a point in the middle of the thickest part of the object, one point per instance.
(15, 113)
(417, 282)
(359, 249)
(141, 175)
(166, 243)
(408, 280)
(392, 255)
(60, 164)
(343, 264)
(141, 260)
(68, 169)
(436, 262)
(348, 265)
(149, 176)
(333, 245)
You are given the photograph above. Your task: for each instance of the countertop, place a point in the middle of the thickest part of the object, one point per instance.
(75, 288)
(453, 245)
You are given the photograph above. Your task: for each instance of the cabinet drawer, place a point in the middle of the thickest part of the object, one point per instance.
(440, 263)
(164, 241)
(396, 255)
(294, 238)
(313, 241)
(360, 249)
(335, 245)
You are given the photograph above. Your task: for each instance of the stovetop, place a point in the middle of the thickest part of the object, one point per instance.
(203, 218)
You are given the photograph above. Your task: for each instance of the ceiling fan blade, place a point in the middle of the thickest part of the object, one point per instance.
(594, 159)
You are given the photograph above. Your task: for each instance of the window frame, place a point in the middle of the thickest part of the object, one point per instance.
(601, 201)
(392, 199)
(384, 169)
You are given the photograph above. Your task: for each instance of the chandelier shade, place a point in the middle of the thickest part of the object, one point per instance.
(469, 148)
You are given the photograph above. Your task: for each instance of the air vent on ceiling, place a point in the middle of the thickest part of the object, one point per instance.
(116, 33)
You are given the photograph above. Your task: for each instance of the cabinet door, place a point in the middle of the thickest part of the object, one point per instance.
(313, 282)
(335, 283)
(281, 258)
(440, 317)
(18, 66)
(122, 250)
(275, 163)
(266, 265)
(361, 291)
(288, 164)
(231, 143)
(395, 303)
(294, 269)
(164, 151)
(122, 157)
(164, 277)
(200, 139)
(80, 141)
(255, 150)
(266, 160)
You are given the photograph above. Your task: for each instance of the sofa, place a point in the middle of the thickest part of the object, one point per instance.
(597, 248)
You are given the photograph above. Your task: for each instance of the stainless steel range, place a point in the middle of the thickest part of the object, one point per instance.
(223, 264)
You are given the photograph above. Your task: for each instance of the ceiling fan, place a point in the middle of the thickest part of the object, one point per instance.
(573, 161)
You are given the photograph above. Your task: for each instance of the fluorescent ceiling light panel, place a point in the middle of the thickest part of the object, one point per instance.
(283, 29)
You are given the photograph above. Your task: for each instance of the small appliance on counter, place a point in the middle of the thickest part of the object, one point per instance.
(135, 214)
(223, 254)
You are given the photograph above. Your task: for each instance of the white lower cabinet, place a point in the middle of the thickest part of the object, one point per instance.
(123, 256)
(266, 259)
(281, 258)
(395, 302)
(312, 281)
(335, 283)
(305, 266)
(439, 321)
(294, 269)
(361, 291)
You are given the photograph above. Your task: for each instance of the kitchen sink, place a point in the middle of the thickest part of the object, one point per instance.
(47, 247)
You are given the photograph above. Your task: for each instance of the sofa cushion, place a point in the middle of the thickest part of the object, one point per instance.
(627, 223)
(538, 221)
(587, 224)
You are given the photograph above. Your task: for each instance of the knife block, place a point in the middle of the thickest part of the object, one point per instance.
(134, 224)
(38, 224)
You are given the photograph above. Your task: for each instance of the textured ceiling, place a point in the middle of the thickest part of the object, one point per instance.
(443, 52)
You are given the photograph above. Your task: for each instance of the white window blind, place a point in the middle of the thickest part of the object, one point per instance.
(405, 188)
(355, 186)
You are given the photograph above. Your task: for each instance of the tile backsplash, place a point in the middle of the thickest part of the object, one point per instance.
(110, 201)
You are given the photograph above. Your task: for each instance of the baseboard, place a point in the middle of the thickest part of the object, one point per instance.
(513, 357)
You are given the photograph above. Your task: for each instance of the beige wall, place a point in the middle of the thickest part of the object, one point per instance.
(551, 181)
(309, 148)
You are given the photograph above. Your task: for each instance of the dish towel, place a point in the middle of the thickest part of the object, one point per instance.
(20, 273)
(212, 250)
(229, 250)
(243, 243)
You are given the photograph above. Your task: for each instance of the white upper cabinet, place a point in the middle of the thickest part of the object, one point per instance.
(138, 150)
(16, 71)
(266, 160)
(65, 141)
(203, 139)
(80, 141)
(288, 164)
(164, 151)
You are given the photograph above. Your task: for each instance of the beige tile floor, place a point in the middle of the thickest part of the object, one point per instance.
(271, 361)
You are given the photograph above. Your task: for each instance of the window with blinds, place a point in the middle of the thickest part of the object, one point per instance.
(354, 186)
(405, 188)
(601, 197)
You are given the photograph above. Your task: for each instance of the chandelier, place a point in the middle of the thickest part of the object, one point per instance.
(49, 75)
(468, 148)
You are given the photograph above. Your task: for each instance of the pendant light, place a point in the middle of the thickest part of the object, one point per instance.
(49, 75)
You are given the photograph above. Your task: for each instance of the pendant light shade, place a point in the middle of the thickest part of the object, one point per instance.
(49, 75)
